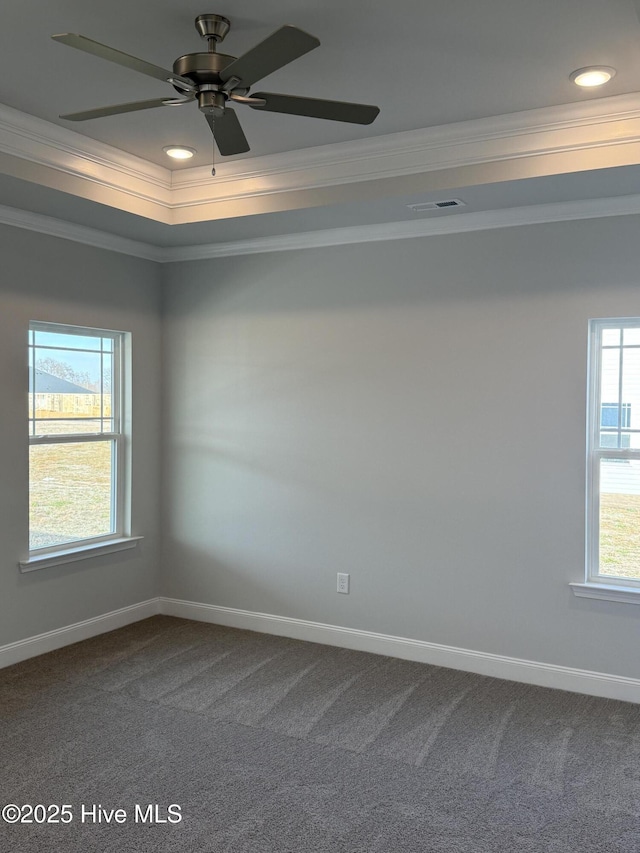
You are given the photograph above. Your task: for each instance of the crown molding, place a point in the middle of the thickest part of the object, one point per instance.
(565, 127)
(592, 134)
(456, 223)
(597, 133)
(48, 144)
(78, 233)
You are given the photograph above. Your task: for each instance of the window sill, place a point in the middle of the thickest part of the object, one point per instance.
(79, 552)
(607, 592)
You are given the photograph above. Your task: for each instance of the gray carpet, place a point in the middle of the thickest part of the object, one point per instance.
(271, 745)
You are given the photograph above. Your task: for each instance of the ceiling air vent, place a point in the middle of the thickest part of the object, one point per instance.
(425, 206)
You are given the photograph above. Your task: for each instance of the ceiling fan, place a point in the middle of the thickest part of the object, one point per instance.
(213, 79)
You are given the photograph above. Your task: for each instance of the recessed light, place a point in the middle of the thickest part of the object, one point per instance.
(592, 75)
(179, 152)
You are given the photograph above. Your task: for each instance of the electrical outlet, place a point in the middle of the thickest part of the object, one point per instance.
(343, 583)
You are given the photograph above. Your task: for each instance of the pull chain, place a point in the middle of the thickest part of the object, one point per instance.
(213, 150)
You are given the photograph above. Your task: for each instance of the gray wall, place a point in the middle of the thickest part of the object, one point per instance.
(411, 412)
(45, 278)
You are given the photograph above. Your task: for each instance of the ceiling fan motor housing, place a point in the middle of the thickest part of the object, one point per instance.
(202, 68)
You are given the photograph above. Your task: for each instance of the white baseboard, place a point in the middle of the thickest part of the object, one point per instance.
(51, 640)
(498, 666)
(483, 663)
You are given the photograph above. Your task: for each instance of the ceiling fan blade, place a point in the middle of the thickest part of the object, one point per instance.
(132, 107)
(278, 49)
(316, 108)
(112, 55)
(227, 133)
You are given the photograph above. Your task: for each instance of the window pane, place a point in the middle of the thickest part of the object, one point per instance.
(68, 427)
(66, 340)
(30, 385)
(611, 337)
(68, 411)
(57, 369)
(106, 378)
(610, 375)
(66, 385)
(620, 518)
(631, 386)
(70, 492)
(631, 336)
(609, 395)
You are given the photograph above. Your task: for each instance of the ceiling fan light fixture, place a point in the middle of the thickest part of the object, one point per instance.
(179, 152)
(592, 76)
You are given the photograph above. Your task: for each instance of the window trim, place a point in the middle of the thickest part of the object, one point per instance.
(88, 549)
(596, 585)
(120, 538)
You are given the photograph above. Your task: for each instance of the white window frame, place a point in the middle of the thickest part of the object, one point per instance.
(120, 537)
(598, 585)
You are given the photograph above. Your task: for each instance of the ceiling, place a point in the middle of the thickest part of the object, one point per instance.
(427, 65)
